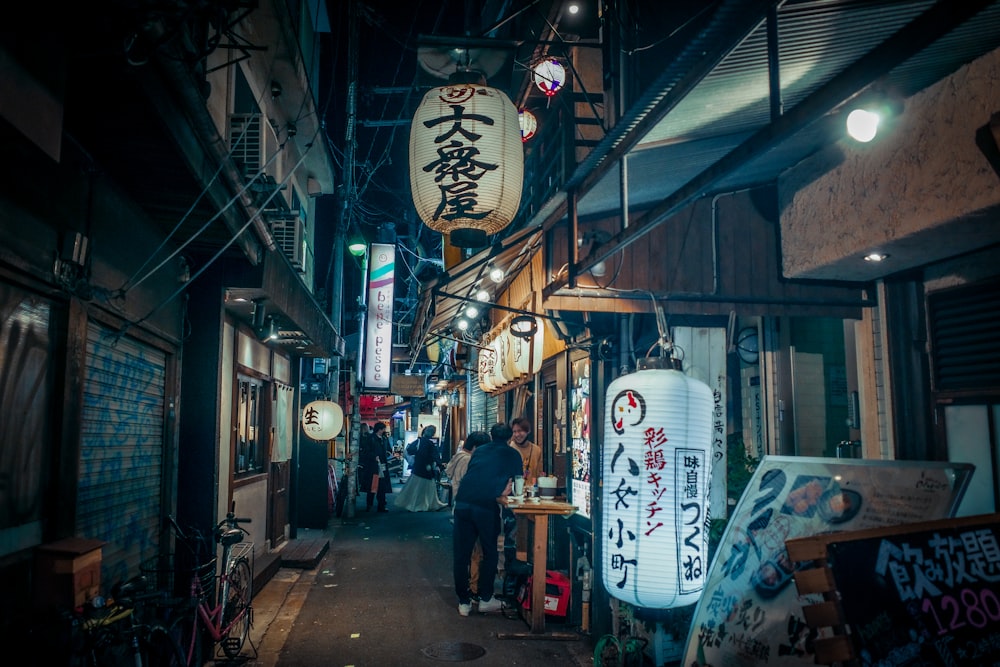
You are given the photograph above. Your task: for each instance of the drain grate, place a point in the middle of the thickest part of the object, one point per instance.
(454, 651)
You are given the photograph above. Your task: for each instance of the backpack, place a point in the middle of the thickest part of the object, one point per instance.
(411, 448)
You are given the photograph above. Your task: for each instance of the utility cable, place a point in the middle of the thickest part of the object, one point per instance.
(225, 247)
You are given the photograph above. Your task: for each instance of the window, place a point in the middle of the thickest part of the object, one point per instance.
(251, 428)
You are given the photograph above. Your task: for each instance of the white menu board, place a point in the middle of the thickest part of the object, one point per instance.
(750, 612)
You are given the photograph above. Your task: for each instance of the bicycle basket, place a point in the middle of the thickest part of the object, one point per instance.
(170, 573)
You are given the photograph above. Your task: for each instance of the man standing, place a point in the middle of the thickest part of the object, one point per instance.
(490, 475)
(374, 461)
(531, 454)
(531, 462)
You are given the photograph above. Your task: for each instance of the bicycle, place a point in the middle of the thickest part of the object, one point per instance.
(117, 632)
(227, 619)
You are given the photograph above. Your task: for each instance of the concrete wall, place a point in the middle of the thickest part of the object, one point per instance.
(922, 193)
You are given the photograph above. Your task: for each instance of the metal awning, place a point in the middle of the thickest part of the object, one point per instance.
(442, 300)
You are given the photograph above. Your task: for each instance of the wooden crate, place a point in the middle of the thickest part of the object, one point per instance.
(67, 573)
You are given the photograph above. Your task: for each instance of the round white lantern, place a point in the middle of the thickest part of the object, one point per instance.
(322, 420)
(549, 75)
(466, 162)
(528, 123)
(655, 472)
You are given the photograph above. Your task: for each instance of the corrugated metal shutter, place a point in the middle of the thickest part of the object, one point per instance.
(477, 407)
(121, 457)
(965, 337)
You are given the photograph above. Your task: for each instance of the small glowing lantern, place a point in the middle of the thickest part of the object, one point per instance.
(549, 75)
(528, 123)
(322, 420)
(502, 346)
(527, 344)
(655, 471)
(466, 161)
(487, 359)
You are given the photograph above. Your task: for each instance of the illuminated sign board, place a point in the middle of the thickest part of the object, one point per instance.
(378, 331)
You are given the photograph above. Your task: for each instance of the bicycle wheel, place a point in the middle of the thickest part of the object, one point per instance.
(160, 649)
(236, 612)
(186, 630)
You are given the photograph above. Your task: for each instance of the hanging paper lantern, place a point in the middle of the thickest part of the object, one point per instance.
(655, 469)
(549, 75)
(527, 351)
(528, 123)
(487, 359)
(322, 420)
(466, 162)
(500, 377)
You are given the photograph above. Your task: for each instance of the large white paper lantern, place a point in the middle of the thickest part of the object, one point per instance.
(466, 162)
(655, 472)
(322, 420)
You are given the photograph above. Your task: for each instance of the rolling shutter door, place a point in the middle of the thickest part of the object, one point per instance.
(121, 450)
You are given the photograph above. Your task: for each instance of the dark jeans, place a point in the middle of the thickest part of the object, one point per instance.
(381, 499)
(475, 523)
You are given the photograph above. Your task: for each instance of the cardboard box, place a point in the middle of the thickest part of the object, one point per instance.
(67, 572)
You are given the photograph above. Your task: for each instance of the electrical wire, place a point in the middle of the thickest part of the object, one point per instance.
(221, 250)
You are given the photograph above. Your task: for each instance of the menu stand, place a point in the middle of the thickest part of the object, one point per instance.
(539, 512)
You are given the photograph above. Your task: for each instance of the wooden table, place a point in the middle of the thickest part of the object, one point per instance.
(539, 513)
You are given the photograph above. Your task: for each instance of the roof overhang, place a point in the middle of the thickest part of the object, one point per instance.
(442, 300)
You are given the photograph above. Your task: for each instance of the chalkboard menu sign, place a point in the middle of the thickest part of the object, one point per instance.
(928, 594)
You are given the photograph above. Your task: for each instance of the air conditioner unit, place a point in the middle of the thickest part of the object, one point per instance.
(290, 236)
(252, 141)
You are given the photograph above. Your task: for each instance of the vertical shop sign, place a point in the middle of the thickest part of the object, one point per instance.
(378, 338)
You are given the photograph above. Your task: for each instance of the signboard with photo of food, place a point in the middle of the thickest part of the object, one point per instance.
(748, 613)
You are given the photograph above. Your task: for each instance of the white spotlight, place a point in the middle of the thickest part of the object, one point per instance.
(862, 125)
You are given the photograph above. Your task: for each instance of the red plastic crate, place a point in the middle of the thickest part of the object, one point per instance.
(557, 587)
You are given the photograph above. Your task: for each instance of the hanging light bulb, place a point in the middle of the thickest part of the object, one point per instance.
(472, 312)
(496, 274)
(482, 296)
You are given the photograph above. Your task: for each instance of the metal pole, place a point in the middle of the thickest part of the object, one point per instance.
(343, 225)
(354, 443)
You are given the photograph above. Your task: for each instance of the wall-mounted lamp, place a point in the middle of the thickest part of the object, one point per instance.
(866, 120)
(269, 330)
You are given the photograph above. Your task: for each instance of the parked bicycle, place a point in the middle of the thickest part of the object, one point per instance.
(124, 632)
(226, 617)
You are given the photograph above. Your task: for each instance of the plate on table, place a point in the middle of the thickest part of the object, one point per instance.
(515, 499)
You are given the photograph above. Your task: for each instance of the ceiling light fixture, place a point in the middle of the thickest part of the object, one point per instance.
(876, 257)
(496, 274)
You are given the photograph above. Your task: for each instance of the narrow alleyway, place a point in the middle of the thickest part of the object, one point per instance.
(383, 595)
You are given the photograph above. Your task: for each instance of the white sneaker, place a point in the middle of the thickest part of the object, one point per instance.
(464, 609)
(493, 604)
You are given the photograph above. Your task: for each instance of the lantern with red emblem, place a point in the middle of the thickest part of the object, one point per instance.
(655, 469)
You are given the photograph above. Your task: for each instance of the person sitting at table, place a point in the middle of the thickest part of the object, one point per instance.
(490, 476)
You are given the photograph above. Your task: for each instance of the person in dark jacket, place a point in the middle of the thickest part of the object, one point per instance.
(490, 476)
(374, 459)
